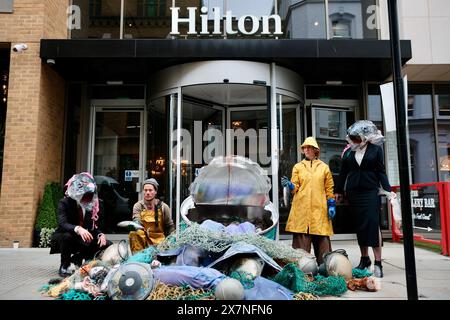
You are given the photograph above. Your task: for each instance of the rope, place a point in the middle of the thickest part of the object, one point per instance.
(305, 296)
(166, 292)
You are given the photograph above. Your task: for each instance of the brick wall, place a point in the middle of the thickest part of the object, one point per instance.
(35, 117)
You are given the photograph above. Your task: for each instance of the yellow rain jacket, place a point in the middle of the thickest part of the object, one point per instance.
(313, 187)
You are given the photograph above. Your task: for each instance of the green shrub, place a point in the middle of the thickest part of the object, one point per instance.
(45, 237)
(47, 215)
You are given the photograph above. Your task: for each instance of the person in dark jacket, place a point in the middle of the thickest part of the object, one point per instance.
(362, 174)
(78, 235)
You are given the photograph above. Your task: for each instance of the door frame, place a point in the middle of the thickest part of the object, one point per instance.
(337, 105)
(113, 105)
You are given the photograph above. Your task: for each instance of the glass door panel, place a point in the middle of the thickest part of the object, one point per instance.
(116, 164)
(173, 160)
(250, 138)
(330, 129)
(202, 125)
(157, 145)
(289, 120)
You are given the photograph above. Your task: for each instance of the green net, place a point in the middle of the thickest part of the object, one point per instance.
(245, 278)
(145, 256)
(294, 279)
(75, 295)
(361, 273)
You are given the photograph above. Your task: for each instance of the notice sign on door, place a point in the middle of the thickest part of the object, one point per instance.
(130, 174)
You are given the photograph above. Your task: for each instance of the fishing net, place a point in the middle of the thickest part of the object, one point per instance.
(198, 236)
(294, 279)
(145, 256)
(360, 273)
(245, 278)
(75, 295)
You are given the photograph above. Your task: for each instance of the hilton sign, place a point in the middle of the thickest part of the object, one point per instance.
(251, 29)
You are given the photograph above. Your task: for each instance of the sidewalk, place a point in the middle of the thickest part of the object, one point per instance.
(23, 271)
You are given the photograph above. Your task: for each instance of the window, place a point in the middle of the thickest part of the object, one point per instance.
(341, 29)
(6, 6)
(374, 106)
(95, 8)
(151, 8)
(442, 103)
(443, 99)
(421, 133)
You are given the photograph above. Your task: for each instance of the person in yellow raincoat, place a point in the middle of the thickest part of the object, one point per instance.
(154, 218)
(313, 205)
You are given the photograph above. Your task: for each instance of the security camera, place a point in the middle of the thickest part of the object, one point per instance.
(51, 62)
(20, 47)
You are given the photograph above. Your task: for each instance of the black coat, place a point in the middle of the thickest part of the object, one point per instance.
(367, 176)
(68, 219)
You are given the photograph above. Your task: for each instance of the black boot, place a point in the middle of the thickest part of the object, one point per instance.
(77, 259)
(364, 263)
(63, 272)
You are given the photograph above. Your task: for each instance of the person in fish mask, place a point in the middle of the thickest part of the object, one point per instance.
(313, 206)
(362, 172)
(78, 235)
(152, 218)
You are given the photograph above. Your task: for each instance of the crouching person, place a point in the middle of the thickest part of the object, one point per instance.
(78, 235)
(154, 218)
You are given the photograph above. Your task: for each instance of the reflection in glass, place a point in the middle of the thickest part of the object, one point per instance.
(442, 101)
(251, 131)
(229, 27)
(352, 19)
(374, 106)
(203, 120)
(288, 154)
(357, 19)
(421, 134)
(173, 125)
(249, 7)
(116, 150)
(199, 121)
(303, 19)
(148, 18)
(99, 19)
(157, 145)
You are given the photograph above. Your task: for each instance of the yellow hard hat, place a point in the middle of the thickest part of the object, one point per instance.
(310, 141)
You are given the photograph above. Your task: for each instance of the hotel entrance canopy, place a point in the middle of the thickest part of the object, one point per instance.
(316, 61)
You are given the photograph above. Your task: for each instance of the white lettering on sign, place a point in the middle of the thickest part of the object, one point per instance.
(429, 203)
(417, 203)
(251, 29)
(423, 202)
(422, 216)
